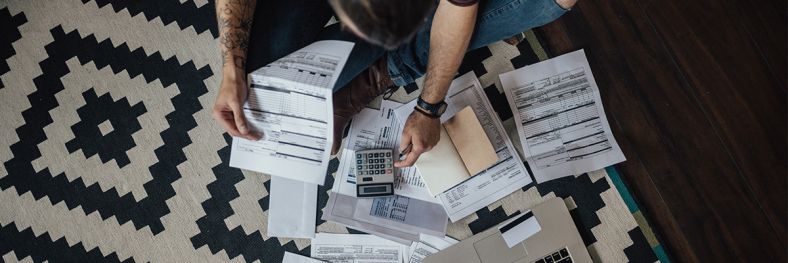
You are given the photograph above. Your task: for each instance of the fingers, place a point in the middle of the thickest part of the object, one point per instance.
(240, 123)
(229, 120)
(416, 150)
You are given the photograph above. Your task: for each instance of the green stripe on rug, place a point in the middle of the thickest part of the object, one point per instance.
(645, 227)
(535, 45)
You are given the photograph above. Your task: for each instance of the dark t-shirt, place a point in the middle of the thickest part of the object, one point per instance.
(464, 2)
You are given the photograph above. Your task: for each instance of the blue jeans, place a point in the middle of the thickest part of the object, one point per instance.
(282, 27)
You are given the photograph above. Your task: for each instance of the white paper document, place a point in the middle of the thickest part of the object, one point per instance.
(419, 251)
(498, 181)
(292, 208)
(427, 246)
(290, 104)
(560, 118)
(350, 248)
(437, 242)
(296, 258)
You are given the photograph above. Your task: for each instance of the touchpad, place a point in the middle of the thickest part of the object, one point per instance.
(494, 249)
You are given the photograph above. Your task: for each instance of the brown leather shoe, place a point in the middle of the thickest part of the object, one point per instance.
(351, 99)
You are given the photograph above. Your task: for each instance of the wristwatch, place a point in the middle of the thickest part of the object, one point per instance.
(429, 109)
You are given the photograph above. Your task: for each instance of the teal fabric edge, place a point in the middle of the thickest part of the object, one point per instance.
(622, 189)
(612, 172)
(661, 255)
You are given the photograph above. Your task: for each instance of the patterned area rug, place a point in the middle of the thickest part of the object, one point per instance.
(109, 152)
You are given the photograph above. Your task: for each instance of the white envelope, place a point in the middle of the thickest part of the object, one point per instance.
(292, 208)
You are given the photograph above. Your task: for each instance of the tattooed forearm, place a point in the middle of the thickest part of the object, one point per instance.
(235, 23)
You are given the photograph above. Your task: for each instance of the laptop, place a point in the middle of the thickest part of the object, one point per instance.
(546, 234)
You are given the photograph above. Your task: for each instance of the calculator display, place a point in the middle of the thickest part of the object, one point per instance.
(375, 189)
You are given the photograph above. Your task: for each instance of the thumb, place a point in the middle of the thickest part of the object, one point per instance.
(240, 121)
(404, 143)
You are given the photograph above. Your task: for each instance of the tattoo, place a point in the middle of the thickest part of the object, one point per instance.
(235, 23)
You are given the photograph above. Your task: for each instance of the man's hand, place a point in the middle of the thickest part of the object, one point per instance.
(421, 133)
(450, 34)
(228, 109)
(235, 21)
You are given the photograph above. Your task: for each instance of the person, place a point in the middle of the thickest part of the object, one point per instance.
(396, 42)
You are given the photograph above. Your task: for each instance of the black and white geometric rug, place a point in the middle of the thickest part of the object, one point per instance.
(109, 152)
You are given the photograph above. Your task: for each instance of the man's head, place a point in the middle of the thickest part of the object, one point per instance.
(387, 23)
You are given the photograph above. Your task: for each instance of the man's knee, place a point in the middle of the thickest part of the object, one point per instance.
(566, 4)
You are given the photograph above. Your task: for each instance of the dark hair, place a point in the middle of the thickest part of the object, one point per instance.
(387, 23)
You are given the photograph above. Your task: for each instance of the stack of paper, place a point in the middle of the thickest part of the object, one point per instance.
(295, 258)
(400, 218)
(349, 248)
(290, 105)
(499, 180)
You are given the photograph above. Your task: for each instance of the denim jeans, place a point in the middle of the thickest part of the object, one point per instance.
(282, 27)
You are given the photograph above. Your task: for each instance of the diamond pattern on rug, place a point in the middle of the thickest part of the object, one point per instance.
(111, 153)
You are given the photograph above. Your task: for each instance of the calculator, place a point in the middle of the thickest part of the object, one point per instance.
(375, 173)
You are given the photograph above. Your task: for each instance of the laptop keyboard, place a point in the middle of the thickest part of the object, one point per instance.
(559, 256)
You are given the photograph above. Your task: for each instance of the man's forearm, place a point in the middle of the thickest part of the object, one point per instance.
(235, 23)
(450, 34)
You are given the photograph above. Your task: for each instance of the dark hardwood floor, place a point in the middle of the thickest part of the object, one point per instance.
(695, 92)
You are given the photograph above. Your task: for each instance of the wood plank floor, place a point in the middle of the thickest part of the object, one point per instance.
(696, 95)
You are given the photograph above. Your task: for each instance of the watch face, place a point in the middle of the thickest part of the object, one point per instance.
(441, 108)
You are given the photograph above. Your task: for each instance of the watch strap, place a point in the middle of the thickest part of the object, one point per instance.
(426, 113)
(436, 109)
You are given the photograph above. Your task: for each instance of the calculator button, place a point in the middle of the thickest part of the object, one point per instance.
(388, 154)
(388, 165)
(358, 155)
(358, 162)
(360, 167)
(388, 171)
